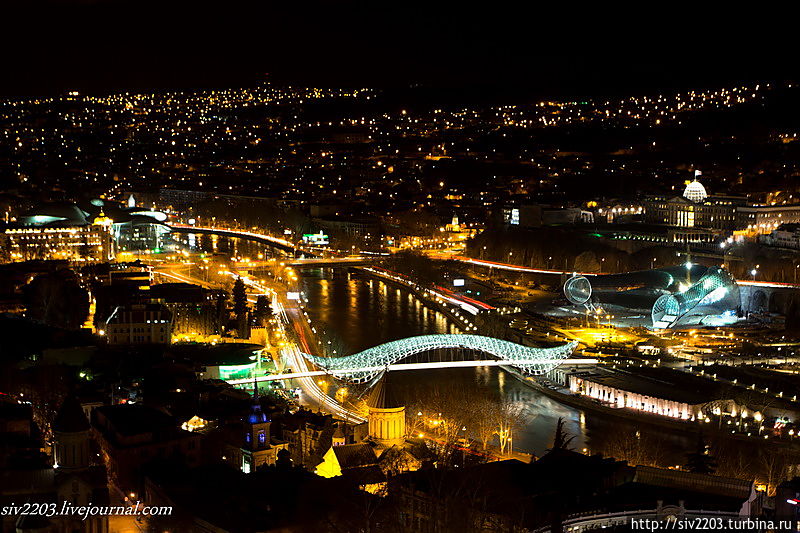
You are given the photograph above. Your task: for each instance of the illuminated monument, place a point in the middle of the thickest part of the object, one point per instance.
(688, 295)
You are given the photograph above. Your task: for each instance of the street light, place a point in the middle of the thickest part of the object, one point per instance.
(753, 273)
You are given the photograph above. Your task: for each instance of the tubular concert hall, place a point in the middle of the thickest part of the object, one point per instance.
(673, 297)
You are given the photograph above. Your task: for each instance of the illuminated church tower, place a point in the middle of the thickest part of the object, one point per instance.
(387, 415)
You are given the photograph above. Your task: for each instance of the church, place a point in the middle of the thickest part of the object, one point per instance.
(383, 453)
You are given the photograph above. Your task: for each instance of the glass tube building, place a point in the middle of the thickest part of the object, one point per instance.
(686, 295)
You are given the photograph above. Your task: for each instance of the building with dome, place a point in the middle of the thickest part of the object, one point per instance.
(715, 217)
(87, 232)
(695, 192)
(387, 416)
(385, 450)
(79, 478)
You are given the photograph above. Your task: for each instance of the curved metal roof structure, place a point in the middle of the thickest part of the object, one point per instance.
(711, 300)
(674, 296)
(365, 365)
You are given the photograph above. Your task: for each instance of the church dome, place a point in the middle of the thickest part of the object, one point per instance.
(695, 192)
(71, 418)
(257, 416)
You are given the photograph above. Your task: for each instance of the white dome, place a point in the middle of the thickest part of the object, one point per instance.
(695, 192)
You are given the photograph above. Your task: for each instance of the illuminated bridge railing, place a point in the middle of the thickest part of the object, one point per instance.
(365, 365)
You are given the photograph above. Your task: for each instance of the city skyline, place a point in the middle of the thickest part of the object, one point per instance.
(337, 267)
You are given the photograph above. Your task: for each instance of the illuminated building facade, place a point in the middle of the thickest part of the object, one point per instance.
(71, 243)
(687, 295)
(713, 212)
(696, 209)
(387, 416)
(139, 324)
(68, 232)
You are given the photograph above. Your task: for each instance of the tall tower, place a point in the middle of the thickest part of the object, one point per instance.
(71, 435)
(387, 415)
(257, 426)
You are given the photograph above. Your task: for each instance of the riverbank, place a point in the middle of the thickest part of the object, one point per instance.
(429, 302)
(586, 404)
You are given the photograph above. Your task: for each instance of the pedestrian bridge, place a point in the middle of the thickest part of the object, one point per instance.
(365, 365)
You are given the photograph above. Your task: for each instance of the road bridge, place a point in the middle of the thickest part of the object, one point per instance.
(262, 238)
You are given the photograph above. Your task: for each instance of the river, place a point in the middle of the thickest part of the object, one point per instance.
(357, 312)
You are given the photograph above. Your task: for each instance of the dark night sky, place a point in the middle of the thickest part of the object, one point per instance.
(107, 45)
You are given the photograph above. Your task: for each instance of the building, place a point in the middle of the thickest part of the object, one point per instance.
(759, 219)
(254, 446)
(194, 309)
(564, 491)
(658, 391)
(219, 498)
(679, 296)
(26, 474)
(615, 391)
(91, 232)
(713, 212)
(386, 417)
(697, 209)
(350, 228)
(357, 463)
(87, 243)
(310, 435)
(784, 236)
(139, 324)
(79, 479)
(534, 216)
(132, 436)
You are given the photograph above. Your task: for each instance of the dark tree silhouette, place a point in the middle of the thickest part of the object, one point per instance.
(284, 460)
(263, 310)
(700, 460)
(57, 299)
(561, 439)
(239, 298)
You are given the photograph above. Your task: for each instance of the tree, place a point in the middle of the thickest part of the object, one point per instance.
(509, 417)
(700, 460)
(239, 298)
(57, 299)
(284, 460)
(263, 310)
(635, 447)
(561, 439)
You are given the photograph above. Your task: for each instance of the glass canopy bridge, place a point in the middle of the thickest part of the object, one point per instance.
(363, 366)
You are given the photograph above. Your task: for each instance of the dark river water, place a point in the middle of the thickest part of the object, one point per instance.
(357, 312)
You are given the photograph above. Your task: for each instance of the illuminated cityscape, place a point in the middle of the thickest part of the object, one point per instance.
(310, 270)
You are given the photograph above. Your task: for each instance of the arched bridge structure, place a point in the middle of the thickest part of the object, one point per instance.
(365, 365)
(261, 238)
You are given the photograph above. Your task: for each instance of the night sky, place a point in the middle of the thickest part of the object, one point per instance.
(108, 45)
